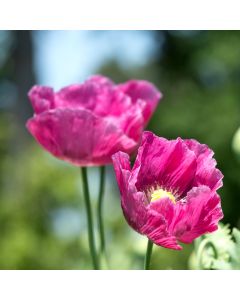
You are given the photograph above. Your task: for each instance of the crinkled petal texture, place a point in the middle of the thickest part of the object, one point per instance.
(185, 168)
(141, 89)
(85, 124)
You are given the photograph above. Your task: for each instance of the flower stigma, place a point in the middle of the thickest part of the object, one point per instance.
(161, 194)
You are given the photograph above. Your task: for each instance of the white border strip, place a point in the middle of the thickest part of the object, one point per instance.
(120, 14)
(109, 285)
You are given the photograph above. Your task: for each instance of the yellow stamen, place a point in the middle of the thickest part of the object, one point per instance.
(160, 194)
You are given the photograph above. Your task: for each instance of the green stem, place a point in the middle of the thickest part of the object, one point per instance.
(100, 210)
(89, 219)
(148, 255)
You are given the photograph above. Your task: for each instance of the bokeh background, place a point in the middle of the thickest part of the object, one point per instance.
(42, 217)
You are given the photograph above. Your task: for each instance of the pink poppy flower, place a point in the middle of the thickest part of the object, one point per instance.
(170, 193)
(85, 124)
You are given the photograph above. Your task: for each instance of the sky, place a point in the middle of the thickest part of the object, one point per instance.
(66, 57)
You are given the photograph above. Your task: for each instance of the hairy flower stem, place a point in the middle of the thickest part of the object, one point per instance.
(100, 210)
(148, 255)
(91, 239)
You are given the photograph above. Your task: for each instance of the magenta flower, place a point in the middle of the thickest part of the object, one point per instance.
(170, 193)
(85, 124)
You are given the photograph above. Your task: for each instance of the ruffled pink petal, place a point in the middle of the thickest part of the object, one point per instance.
(121, 164)
(100, 80)
(42, 98)
(84, 95)
(78, 136)
(99, 96)
(112, 103)
(94, 92)
(131, 121)
(199, 215)
(168, 164)
(206, 173)
(132, 202)
(159, 217)
(144, 90)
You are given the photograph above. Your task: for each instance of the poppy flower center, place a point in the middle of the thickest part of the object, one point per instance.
(160, 194)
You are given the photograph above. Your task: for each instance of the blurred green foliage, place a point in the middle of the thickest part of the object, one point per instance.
(42, 217)
(219, 250)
